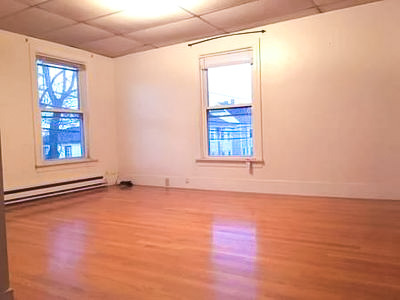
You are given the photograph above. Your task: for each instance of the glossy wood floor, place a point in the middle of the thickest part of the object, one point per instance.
(155, 243)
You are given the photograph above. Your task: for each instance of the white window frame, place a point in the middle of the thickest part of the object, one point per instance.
(37, 110)
(223, 59)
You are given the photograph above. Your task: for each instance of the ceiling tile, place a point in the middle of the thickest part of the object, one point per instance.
(75, 34)
(32, 2)
(204, 7)
(171, 33)
(112, 47)
(33, 21)
(323, 2)
(79, 10)
(123, 22)
(135, 50)
(8, 7)
(328, 5)
(296, 15)
(246, 15)
(57, 20)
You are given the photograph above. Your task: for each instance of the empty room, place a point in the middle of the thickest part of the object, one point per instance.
(199, 149)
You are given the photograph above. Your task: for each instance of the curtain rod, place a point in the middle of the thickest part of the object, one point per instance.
(225, 35)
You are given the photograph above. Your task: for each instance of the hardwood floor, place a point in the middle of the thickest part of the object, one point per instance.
(156, 243)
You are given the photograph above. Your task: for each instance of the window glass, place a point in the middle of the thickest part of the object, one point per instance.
(57, 86)
(229, 85)
(62, 135)
(230, 132)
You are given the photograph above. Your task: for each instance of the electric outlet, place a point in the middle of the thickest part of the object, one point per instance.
(187, 180)
(111, 177)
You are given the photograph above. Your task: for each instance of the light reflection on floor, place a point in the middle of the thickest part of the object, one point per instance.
(68, 243)
(234, 259)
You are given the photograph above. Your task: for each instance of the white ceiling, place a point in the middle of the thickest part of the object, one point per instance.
(105, 27)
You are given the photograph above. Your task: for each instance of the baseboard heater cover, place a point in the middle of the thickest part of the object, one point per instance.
(52, 189)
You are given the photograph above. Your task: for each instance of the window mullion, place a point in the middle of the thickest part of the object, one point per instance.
(229, 106)
(65, 111)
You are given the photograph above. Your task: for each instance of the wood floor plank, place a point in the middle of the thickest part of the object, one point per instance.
(156, 243)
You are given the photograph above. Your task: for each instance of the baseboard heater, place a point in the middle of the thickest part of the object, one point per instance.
(52, 189)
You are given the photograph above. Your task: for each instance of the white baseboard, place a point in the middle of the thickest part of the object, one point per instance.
(304, 188)
(23, 194)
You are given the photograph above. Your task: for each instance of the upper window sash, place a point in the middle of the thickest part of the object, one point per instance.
(230, 86)
(55, 79)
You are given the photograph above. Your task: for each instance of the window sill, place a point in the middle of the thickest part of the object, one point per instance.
(65, 162)
(235, 161)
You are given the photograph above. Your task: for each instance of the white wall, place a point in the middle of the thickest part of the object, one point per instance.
(5, 290)
(330, 106)
(16, 116)
(330, 100)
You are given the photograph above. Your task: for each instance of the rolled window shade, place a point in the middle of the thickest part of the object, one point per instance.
(221, 59)
(59, 62)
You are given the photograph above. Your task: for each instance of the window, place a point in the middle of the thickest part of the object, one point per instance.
(231, 105)
(61, 111)
(68, 151)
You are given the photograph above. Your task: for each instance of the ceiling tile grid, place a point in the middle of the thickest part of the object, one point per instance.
(33, 21)
(118, 27)
(8, 7)
(205, 7)
(243, 16)
(32, 2)
(172, 33)
(113, 46)
(328, 5)
(78, 10)
(123, 22)
(75, 34)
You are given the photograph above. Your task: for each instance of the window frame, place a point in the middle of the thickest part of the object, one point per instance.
(255, 105)
(37, 109)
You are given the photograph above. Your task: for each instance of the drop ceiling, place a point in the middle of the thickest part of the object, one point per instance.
(118, 27)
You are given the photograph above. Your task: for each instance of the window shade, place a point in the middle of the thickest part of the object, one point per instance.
(221, 59)
(54, 61)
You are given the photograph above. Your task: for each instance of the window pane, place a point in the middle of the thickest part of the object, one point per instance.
(62, 135)
(230, 85)
(230, 132)
(57, 85)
